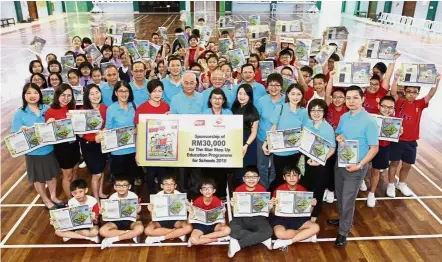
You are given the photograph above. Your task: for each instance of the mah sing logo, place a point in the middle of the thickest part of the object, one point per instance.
(199, 123)
(219, 122)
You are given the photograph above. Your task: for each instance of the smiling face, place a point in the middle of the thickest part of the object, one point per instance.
(387, 108)
(227, 71)
(287, 72)
(122, 94)
(374, 86)
(411, 93)
(157, 94)
(251, 179)
(95, 96)
(217, 101)
(274, 88)
(32, 96)
(73, 79)
(112, 75)
(353, 100)
(319, 85)
(189, 83)
(96, 77)
(306, 75)
(139, 72)
(107, 53)
(295, 96)
(36, 68)
(85, 71)
(155, 39)
(37, 80)
(76, 42)
(79, 194)
(54, 81)
(317, 113)
(116, 51)
(207, 190)
(193, 42)
(217, 79)
(54, 68)
(79, 60)
(291, 178)
(248, 74)
(122, 187)
(285, 59)
(338, 98)
(212, 63)
(243, 98)
(175, 67)
(65, 98)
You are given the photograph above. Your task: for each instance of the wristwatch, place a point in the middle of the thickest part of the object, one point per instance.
(360, 166)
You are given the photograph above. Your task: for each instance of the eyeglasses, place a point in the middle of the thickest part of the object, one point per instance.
(412, 93)
(251, 177)
(122, 186)
(374, 84)
(388, 107)
(274, 86)
(207, 188)
(338, 97)
(168, 185)
(317, 111)
(218, 98)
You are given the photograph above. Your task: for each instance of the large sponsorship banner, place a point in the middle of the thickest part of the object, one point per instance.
(190, 140)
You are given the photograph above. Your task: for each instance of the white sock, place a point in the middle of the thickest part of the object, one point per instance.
(401, 183)
(391, 184)
(161, 238)
(114, 239)
(371, 193)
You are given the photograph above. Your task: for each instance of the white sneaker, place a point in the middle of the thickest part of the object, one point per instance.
(371, 200)
(183, 238)
(314, 239)
(268, 243)
(391, 190)
(405, 190)
(107, 242)
(66, 239)
(325, 194)
(330, 197)
(224, 239)
(94, 239)
(189, 244)
(363, 186)
(152, 240)
(233, 247)
(136, 240)
(281, 243)
(82, 165)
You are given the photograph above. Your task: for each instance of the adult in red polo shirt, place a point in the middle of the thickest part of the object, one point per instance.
(410, 110)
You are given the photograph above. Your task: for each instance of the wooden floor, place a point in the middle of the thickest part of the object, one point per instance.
(401, 229)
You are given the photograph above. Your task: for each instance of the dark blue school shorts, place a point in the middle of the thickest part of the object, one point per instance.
(403, 150)
(289, 222)
(206, 229)
(170, 224)
(123, 224)
(382, 158)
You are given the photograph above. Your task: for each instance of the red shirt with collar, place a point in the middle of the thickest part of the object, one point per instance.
(199, 202)
(147, 108)
(57, 114)
(285, 187)
(102, 109)
(258, 188)
(333, 116)
(309, 94)
(372, 100)
(411, 114)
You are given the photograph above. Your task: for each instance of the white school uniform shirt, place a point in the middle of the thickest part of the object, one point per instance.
(90, 201)
(162, 192)
(130, 195)
(315, 96)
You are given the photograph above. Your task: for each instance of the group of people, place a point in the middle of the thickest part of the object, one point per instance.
(126, 89)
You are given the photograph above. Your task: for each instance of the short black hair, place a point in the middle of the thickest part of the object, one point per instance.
(167, 177)
(154, 83)
(196, 33)
(285, 52)
(201, 19)
(196, 64)
(224, 32)
(276, 77)
(317, 102)
(288, 68)
(288, 169)
(355, 88)
(178, 30)
(246, 65)
(78, 184)
(381, 67)
(320, 76)
(338, 89)
(208, 181)
(187, 27)
(121, 177)
(154, 33)
(387, 98)
(417, 87)
(375, 77)
(252, 169)
(335, 57)
(307, 69)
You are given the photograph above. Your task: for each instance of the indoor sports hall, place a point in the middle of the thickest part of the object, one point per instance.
(400, 228)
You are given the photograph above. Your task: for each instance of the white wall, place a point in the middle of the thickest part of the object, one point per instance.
(42, 9)
(397, 7)
(421, 10)
(8, 10)
(380, 7)
(24, 9)
(439, 12)
(349, 7)
(248, 6)
(58, 7)
(363, 7)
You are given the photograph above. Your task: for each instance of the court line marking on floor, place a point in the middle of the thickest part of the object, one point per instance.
(13, 186)
(426, 177)
(17, 223)
(215, 243)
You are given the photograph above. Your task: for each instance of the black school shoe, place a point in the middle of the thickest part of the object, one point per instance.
(341, 241)
(333, 222)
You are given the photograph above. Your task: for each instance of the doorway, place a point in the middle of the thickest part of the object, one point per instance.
(32, 7)
(159, 6)
(372, 6)
(409, 7)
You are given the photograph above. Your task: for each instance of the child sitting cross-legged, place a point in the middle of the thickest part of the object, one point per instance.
(158, 231)
(204, 234)
(289, 230)
(79, 190)
(123, 229)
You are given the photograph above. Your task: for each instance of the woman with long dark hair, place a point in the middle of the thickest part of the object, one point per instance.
(67, 153)
(41, 165)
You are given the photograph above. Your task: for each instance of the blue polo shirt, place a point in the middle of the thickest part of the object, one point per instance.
(170, 90)
(116, 117)
(141, 95)
(287, 120)
(361, 127)
(29, 118)
(258, 91)
(227, 92)
(224, 111)
(106, 94)
(324, 130)
(182, 104)
(265, 108)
